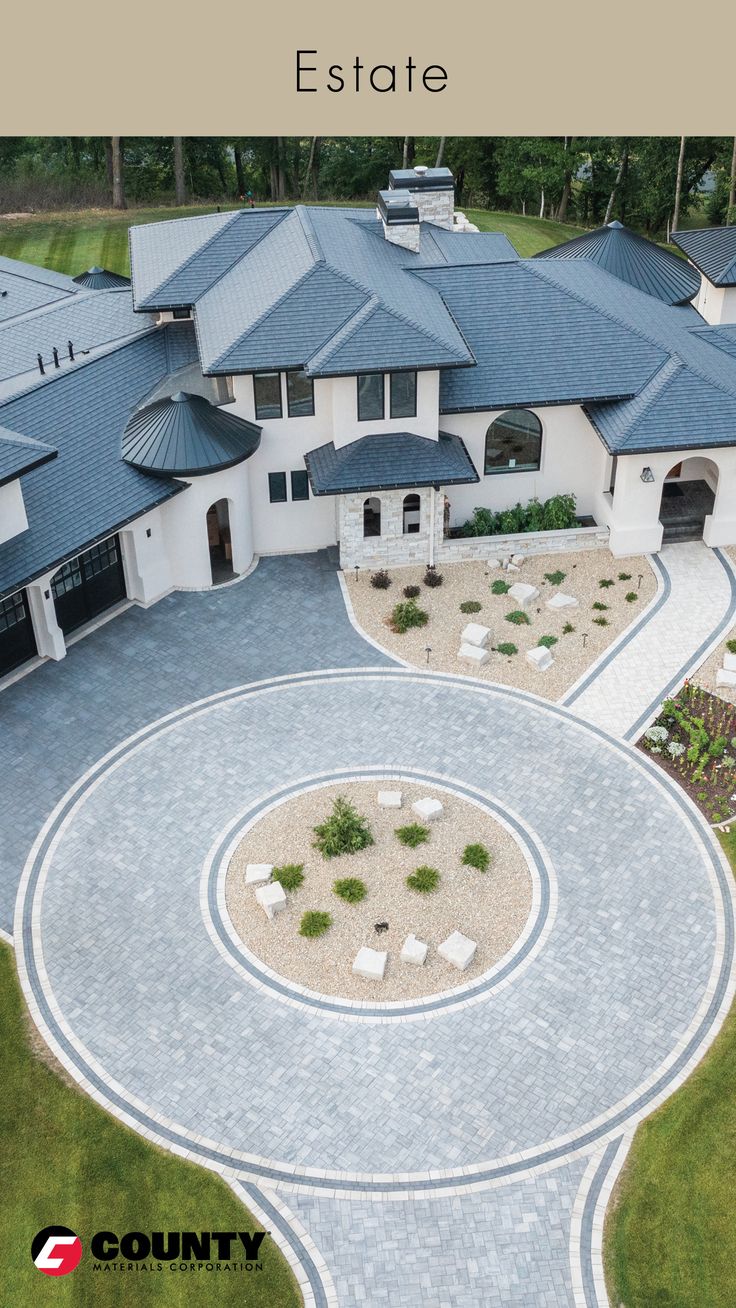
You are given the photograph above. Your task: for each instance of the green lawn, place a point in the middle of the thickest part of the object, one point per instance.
(671, 1237)
(65, 1162)
(71, 242)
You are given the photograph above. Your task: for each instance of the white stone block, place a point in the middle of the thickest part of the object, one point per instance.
(561, 601)
(258, 872)
(414, 951)
(494, 563)
(458, 950)
(725, 678)
(473, 654)
(513, 567)
(729, 662)
(518, 559)
(540, 658)
(475, 634)
(370, 963)
(428, 809)
(272, 899)
(523, 593)
(389, 799)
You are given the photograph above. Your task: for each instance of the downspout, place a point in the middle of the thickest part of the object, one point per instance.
(432, 493)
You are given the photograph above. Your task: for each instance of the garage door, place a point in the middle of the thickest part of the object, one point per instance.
(17, 641)
(88, 584)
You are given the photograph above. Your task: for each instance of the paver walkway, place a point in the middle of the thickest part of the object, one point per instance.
(695, 605)
(460, 1159)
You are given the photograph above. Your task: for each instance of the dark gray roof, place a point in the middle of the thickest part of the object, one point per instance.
(24, 286)
(88, 491)
(186, 436)
(388, 462)
(87, 319)
(300, 287)
(537, 343)
(100, 279)
(19, 454)
(439, 245)
(721, 338)
(634, 260)
(712, 250)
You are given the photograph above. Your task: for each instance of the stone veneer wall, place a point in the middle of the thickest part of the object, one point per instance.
(392, 547)
(436, 207)
(524, 542)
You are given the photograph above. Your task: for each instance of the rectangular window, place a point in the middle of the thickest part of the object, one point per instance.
(181, 313)
(277, 487)
(370, 396)
(403, 395)
(267, 391)
(299, 394)
(299, 485)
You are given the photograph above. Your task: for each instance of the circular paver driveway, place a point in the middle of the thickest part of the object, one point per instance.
(124, 974)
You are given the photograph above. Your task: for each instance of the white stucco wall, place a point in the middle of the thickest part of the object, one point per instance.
(345, 425)
(573, 461)
(13, 518)
(184, 526)
(635, 505)
(716, 304)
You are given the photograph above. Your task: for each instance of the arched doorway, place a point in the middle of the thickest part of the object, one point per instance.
(411, 514)
(372, 516)
(218, 535)
(688, 498)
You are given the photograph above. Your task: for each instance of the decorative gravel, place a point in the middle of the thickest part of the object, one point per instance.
(472, 581)
(491, 907)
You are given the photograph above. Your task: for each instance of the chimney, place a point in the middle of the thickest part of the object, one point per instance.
(432, 190)
(400, 217)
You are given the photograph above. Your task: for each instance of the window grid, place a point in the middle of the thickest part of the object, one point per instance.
(13, 611)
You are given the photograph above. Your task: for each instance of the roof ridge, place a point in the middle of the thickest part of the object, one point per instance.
(195, 253)
(260, 320)
(658, 382)
(361, 314)
(313, 241)
(242, 256)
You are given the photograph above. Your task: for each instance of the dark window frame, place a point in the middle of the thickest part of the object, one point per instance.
(371, 417)
(266, 417)
(272, 481)
(299, 372)
(503, 469)
(408, 373)
(181, 314)
(299, 472)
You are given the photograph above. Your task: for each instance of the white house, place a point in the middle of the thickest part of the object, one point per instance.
(282, 380)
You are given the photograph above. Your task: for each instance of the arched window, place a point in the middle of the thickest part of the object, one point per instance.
(411, 514)
(514, 442)
(372, 516)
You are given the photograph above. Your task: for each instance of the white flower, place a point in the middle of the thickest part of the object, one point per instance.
(657, 734)
(675, 749)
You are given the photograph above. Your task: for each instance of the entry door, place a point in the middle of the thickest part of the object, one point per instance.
(17, 641)
(89, 584)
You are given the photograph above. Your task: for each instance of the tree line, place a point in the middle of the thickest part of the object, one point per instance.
(649, 182)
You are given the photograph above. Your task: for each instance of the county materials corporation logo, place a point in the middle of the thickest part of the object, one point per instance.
(56, 1250)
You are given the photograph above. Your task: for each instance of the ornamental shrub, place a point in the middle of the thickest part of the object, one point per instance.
(631, 595)
(533, 516)
(624, 576)
(411, 592)
(476, 856)
(558, 513)
(506, 647)
(547, 641)
(601, 622)
(567, 629)
(432, 577)
(555, 578)
(518, 617)
(482, 523)
(315, 924)
(413, 835)
(511, 521)
(380, 579)
(344, 832)
(499, 587)
(731, 646)
(351, 889)
(600, 605)
(470, 606)
(605, 582)
(407, 614)
(290, 875)
(424, 880)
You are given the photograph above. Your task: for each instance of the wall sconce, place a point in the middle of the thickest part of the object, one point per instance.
(647, 475)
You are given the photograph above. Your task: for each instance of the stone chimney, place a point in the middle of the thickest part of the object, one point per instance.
(400, 217)
(431, 189)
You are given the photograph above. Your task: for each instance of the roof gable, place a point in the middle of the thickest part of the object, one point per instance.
(712, 250)
(158, 250)
(210, 261)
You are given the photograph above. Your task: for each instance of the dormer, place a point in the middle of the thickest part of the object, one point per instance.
(713, 252)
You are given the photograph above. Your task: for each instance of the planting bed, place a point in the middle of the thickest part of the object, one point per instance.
(694, 740)
(491, 907)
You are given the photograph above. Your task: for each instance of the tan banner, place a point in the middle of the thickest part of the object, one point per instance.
(230, 68)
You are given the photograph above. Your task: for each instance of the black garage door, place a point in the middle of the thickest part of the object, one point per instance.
(17, 641)
(88, 585)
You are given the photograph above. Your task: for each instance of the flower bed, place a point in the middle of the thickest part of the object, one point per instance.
(694, 740)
